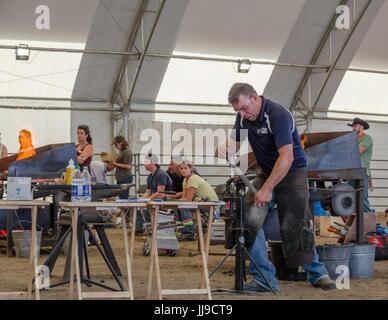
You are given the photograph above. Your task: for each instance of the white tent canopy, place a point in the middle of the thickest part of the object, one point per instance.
(85, 65)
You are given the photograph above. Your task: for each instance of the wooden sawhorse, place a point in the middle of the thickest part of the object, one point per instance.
(203, 246)
(75, 270)
(32, 272)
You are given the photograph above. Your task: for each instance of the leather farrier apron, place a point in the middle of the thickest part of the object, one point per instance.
(296, 227)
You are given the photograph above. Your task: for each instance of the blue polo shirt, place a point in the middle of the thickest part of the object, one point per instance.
(159, 178)
(274, 128)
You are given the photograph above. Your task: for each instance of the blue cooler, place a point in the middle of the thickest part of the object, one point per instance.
(318, 210)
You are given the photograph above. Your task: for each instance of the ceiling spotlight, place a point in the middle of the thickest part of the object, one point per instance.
(243, 66)
(22, 52)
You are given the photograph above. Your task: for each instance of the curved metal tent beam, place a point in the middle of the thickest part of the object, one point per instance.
(145, 49)
(131, 41)
(334, 63)
(315, 58)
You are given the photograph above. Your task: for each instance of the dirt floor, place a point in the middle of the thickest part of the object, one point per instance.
(183, 271)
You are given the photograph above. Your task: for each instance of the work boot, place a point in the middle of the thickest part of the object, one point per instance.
(325, 284)
(253, 286)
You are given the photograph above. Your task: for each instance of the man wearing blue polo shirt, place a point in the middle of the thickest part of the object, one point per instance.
(157, 181)
(275, 142)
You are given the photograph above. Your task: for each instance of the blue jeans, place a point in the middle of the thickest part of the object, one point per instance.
(259, 255)
(315, 271)
(140, 220)
(366, 203)
(188, 224)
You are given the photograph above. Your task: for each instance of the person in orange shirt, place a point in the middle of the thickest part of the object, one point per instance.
(26, 147)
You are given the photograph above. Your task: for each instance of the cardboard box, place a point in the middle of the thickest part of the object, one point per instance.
(370, 220)
(324, 224)
(108, 157)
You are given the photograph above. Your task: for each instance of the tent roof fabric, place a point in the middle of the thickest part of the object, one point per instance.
(276, 30)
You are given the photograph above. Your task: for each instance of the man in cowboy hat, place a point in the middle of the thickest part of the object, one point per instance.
(365, 147)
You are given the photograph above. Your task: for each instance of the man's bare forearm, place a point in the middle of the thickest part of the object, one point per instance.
(147, 194)
(233, 146)
(230, 145)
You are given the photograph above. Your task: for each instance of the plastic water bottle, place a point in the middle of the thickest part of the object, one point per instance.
(217, 214)
(76, 186)
(87, 186)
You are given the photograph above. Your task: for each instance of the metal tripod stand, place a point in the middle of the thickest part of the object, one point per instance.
(237, 205)
(104, 249)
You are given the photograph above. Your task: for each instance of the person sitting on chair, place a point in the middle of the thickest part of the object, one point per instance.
(175, 173)
(195, 188)
(157, 182)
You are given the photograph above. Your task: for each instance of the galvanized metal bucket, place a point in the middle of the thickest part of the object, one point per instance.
(22, 242)
(334, 256)
(362, 260)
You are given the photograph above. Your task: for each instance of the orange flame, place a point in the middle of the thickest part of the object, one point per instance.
(303, 140)
(26, 148)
